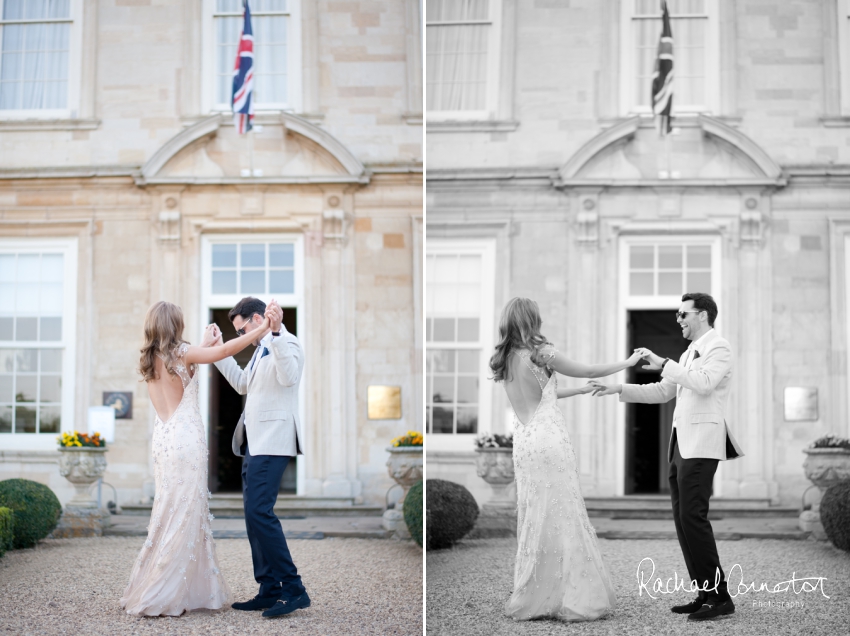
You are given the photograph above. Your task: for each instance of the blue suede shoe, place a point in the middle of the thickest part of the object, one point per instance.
(285, 605)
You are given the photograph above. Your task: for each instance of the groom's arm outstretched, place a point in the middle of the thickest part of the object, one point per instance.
(655, 393)
(237, 378)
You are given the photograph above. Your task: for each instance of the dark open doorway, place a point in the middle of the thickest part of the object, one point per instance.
(648, 426)
(226, 406)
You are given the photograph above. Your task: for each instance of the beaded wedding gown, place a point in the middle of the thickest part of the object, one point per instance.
(559, 570)
(177, 569)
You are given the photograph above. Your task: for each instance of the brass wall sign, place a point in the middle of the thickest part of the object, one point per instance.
(801, 404)
(384, 402)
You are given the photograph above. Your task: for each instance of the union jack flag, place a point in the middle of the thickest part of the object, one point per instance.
(243, 77)
(662, 76)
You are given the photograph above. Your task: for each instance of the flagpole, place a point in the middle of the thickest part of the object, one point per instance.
(251, 150)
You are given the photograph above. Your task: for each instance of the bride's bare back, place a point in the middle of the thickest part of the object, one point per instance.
(525, 387)
(166, 392)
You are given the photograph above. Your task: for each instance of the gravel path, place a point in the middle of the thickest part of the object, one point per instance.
(469, 584)
(72, 586)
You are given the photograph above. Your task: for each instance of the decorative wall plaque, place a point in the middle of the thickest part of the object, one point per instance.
(384, 402)
(121, 401)
(801, 404)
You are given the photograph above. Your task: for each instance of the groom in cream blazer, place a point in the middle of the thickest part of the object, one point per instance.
(700, 382)
(267, 435)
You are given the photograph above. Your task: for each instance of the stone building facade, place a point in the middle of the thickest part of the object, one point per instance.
(133, 186)
(552, 183)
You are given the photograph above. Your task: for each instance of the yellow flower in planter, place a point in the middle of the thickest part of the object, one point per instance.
(413, 438)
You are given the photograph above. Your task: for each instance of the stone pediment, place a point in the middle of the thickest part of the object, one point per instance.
(286, 150)
(704, 152)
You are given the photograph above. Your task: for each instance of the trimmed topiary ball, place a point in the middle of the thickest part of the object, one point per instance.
(35, 508)
(7, 524)
(451, 513)
(835, 514)
(413, 512)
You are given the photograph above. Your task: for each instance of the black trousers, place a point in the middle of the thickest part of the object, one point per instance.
(690, 490)
(273, 566)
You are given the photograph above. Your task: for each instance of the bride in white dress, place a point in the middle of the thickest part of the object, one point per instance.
(559, 571)
(177, 569)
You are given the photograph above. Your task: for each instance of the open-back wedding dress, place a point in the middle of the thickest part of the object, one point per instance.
(177, 569)
(559, 570)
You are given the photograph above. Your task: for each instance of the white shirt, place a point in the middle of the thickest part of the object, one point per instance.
(692, 348)
(695, 346)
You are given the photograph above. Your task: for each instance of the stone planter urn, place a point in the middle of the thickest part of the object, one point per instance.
(824, 467)
(82, 466)
(405, 467)
(498, 515)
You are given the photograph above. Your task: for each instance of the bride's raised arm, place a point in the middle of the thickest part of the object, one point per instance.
(208, 355)
(575, 369)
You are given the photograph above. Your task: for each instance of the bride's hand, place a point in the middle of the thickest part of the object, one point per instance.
(636, 357)
(587, 388)
(600, 389)
(266, 325)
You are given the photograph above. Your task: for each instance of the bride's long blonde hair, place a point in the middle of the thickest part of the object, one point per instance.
(163, 334)
(519, 328)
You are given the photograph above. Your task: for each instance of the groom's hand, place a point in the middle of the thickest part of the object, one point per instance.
(654, 361)
(212, 334)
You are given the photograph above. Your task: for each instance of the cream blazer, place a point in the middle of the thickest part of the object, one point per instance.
(271, 381)
(702, 392)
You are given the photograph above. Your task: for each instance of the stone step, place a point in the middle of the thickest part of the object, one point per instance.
(658, 507)
(287, 506)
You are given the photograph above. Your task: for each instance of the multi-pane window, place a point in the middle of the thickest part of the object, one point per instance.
(692, 52)
(34, 54)
(253, 268)
(270, 23)
(31, 347)
(460, 42)
(453, 334)
(669, 270)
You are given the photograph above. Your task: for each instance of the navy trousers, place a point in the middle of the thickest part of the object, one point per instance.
(273, 566)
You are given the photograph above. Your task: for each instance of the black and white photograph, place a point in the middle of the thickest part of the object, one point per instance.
(637, 316)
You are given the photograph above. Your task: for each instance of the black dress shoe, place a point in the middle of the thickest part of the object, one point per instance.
(689, 608)
(286, 605)
(256, 603)
(713, 608)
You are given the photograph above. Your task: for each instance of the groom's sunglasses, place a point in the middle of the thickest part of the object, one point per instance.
(680, 315)
(241, 332)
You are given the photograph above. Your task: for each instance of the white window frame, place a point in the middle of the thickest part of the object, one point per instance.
(75, 61)
(486, 249)
(208, 63)
(69, 249)
(843, 21)
(628, 61)
(627, 302)
(493, 75)
(211, 301)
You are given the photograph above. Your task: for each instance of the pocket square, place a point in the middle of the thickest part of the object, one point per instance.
(266, 352)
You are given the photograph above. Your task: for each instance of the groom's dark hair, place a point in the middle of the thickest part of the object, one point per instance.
(246, 308)
(703, 302)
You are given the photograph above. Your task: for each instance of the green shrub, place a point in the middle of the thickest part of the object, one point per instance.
(413, 512)
(7, 523)
(451, 512)
(835, 514)
(35, 507)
